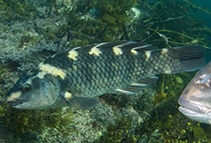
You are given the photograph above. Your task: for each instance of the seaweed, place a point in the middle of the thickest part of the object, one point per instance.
(164, 120)
(115, 11)
(17, 9)
(36, 121)
(119, 132)
(170, 23)
(165, 23)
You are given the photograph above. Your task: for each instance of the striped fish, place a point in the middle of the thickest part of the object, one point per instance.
(77, 76)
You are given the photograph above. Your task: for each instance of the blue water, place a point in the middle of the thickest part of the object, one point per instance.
(203, 15)
(200, 14)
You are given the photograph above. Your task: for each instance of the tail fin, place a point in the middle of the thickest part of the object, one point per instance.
(191, 57)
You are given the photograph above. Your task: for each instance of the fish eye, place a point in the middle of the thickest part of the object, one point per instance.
(26, 87)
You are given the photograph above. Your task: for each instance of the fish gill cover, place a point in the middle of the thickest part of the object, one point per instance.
(31, 31)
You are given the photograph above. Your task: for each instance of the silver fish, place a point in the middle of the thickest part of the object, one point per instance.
(195, 100)
(77, 76)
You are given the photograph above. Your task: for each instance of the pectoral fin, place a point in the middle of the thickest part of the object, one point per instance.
(80, 102)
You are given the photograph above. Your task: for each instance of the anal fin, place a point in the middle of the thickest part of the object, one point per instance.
(137, 86)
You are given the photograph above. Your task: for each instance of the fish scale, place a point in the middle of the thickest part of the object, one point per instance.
(77, 76)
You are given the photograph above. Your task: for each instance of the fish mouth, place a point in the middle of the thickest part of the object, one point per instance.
(15, 103)
(194, 111)
(188, 108)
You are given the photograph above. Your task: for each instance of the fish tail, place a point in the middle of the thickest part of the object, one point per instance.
(190, 57)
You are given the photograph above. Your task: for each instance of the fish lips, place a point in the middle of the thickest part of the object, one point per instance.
(193, 111)
(15, 103)
(18, 104)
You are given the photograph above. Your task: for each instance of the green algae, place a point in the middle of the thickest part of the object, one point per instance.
(115, 11)
(23, 121)
(199, 132)
(119, 132)
(158, 18)
(164, 120)
(20, 10)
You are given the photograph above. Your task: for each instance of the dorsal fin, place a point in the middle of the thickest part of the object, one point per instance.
(125, 45)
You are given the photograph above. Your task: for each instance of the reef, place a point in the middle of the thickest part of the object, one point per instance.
(30, 31)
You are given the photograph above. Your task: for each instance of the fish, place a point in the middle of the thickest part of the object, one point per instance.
(195, 100)
(77, 76)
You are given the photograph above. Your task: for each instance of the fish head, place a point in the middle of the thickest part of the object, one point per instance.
(195, 101)
(33, 92)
